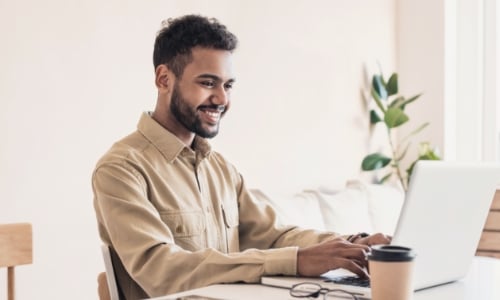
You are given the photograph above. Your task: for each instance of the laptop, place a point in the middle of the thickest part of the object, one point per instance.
(442, 218)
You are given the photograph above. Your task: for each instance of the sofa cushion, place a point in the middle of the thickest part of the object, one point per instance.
(301, 209)
(345, 211)
(362, 207)
(384, 205)
(359, 207)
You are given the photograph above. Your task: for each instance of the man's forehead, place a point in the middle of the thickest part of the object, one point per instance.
(210, 61)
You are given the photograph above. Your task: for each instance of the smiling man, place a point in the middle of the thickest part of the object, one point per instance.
(176, 214)
(192, 103)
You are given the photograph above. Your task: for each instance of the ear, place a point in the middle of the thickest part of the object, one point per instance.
(163, 77)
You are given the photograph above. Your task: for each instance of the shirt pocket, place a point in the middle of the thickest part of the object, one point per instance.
(188, 228)
(231, 222)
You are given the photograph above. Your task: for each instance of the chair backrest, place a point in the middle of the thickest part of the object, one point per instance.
(102, 287)
(112, 286)
(16, 248)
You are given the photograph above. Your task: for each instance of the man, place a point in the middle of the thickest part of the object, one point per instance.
(178, 215)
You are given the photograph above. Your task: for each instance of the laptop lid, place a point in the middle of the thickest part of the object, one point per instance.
(442, 219)
(443, 216)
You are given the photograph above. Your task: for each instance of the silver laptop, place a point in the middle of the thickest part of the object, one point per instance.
(442, 219)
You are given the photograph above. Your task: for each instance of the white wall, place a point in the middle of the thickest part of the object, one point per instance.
(421, 64)
(447, 50)
(75, 76)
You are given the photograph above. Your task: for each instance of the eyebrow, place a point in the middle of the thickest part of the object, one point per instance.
(215, 77)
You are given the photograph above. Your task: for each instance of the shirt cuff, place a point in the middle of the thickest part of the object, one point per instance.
(282, 261)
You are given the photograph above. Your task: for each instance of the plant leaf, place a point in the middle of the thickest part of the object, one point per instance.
(385, 178)
(374, 161)
(420, 128)
(377, 100)
(392, 84)
(397, 102)
(409, 171)
(430, 156)
(395, 117)
(426, 152)
(374, 118)
(410, 100)
(379, 86)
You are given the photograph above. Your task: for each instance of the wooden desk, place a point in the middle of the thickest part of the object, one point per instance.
(482, 282)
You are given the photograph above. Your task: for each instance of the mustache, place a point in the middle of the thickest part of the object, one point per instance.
(220, 108)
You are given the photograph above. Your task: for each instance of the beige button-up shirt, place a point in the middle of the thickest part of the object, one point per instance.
(179, 218)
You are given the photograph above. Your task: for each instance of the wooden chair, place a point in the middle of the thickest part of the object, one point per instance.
(107, 287)
(16, 248)
(489, 244)
(102, 287)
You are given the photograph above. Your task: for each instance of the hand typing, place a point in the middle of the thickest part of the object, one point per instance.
(333, 254)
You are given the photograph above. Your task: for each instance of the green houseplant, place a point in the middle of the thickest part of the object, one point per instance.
(390, 110)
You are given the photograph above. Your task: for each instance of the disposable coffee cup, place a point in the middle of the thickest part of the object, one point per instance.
(391, 272)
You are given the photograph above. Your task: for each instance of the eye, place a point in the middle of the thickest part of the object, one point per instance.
(208, 83)
(228, 86)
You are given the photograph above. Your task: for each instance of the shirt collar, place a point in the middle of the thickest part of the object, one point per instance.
(166, 142)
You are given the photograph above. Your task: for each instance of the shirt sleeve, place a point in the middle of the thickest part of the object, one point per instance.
(145, 244)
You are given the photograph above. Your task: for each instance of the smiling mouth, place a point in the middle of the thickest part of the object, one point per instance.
(218, 108)
(212, 114)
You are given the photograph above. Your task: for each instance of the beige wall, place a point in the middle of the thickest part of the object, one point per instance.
(75, 76)
(298, 119)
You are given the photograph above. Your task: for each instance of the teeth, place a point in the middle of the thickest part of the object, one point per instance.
(212, 114)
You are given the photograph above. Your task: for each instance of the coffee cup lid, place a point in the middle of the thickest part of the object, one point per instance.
(391, 253)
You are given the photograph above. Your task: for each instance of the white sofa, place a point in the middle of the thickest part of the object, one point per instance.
(359, 207)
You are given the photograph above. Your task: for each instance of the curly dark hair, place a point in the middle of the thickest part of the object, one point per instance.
(174, 42)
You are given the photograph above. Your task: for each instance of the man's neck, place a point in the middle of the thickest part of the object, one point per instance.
(176, 128)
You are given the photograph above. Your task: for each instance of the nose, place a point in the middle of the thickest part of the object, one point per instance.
(220, 96)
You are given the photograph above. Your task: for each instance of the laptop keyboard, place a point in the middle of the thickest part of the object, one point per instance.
(350, 280)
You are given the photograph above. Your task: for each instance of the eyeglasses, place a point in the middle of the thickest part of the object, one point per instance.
(311, 289)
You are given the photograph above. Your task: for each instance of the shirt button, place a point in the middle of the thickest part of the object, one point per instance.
(178, 229)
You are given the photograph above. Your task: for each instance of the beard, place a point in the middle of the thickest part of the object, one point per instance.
(189, 116)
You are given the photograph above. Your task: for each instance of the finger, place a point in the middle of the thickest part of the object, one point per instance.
(353, 267)
(382, 238)
(361, 257)
(376, 239)
(358, 253)
(346, 244)
(386, 238)
(361, 263)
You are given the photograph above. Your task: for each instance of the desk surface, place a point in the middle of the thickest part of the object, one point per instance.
(482, 282)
